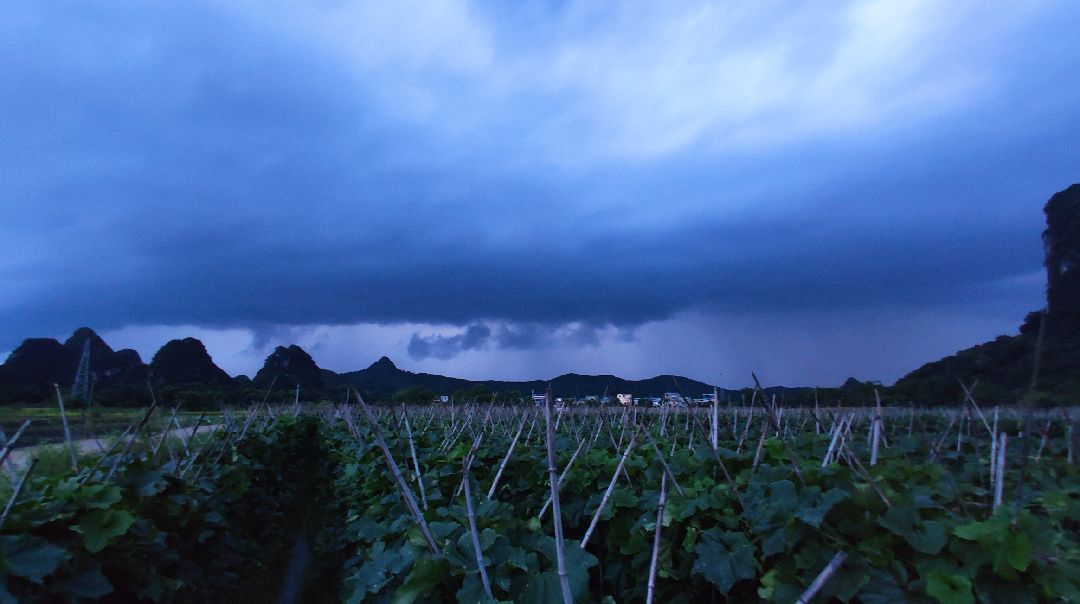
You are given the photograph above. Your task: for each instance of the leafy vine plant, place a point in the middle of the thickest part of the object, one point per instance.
(485, 502)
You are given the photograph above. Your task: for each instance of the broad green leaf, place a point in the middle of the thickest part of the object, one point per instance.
(31, 557)
(927, 537)
(88, 582)
(885, 587)
(930, 538)
(543, 588)
(975, 531)
(813, 515)
(100, 527)
(425, 574)
(724, 558)
(949, 588)
(145, 481)
(1017, 550)
(472, 591)
(578, 562)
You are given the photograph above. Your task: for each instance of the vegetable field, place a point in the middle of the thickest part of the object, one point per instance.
(480, 503)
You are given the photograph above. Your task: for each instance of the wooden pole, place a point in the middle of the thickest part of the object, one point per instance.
(67, 430)
(560, 554)
(822, 577)
(656, 539)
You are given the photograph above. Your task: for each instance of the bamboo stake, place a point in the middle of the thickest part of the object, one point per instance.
(562, 476)
(131, 442)
(608, 491)
(714, 425)
(656, 539)
(822, 577)
(12, 476)
(1069, 444)
(960, 430)
(472, 453)
(993, 450)
(667, 469)
(506, 459)
(761, 443)
(832, 445)
(388, 457)
(560, 555)
(105, 455)
(866, 475)
(876, 430)
(472, 529)
(67, 430)
(416, 460)
(9, 445)
(971, 399)
(15, 493)
(999, 485)
(206, 443)
(1042, 440)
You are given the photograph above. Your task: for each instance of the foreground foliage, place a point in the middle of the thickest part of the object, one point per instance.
(755, 518)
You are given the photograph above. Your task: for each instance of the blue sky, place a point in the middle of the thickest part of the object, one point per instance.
(517, 190)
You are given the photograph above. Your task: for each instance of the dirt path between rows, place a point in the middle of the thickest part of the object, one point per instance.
(20, 457)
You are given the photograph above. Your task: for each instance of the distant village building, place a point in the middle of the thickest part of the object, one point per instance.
(625, 399)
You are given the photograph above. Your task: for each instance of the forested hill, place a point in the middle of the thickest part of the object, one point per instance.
(1004, 367)
(384, 378)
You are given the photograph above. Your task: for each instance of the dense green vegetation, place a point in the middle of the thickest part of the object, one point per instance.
(212, 522)
(304, 501)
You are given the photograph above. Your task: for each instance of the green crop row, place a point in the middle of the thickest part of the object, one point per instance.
(308, 509)
(911, 530)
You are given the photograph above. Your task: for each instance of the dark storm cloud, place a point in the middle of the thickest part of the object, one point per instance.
(183, 164)
(522, 335)
(444, 347)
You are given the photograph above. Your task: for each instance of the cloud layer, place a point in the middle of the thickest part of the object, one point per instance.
(531, 177)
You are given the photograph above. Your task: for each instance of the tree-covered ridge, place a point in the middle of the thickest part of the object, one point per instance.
(1004, 367)
(290, 366)
(186, 362)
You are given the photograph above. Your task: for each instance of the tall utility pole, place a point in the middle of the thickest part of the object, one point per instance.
(81, 387)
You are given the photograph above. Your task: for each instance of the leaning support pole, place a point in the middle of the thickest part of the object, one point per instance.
(822, 577)
(472, 529)
(562, 476)
(607, 493)
(660, 457)
(9, 445)
(16, 492)
(509, 452)
(415, 459)
(131, 442)
(556, 509)
(656, 539)
(67, 430)
(406, 493)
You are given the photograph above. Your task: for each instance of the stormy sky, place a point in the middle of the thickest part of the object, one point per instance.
(522, 189)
